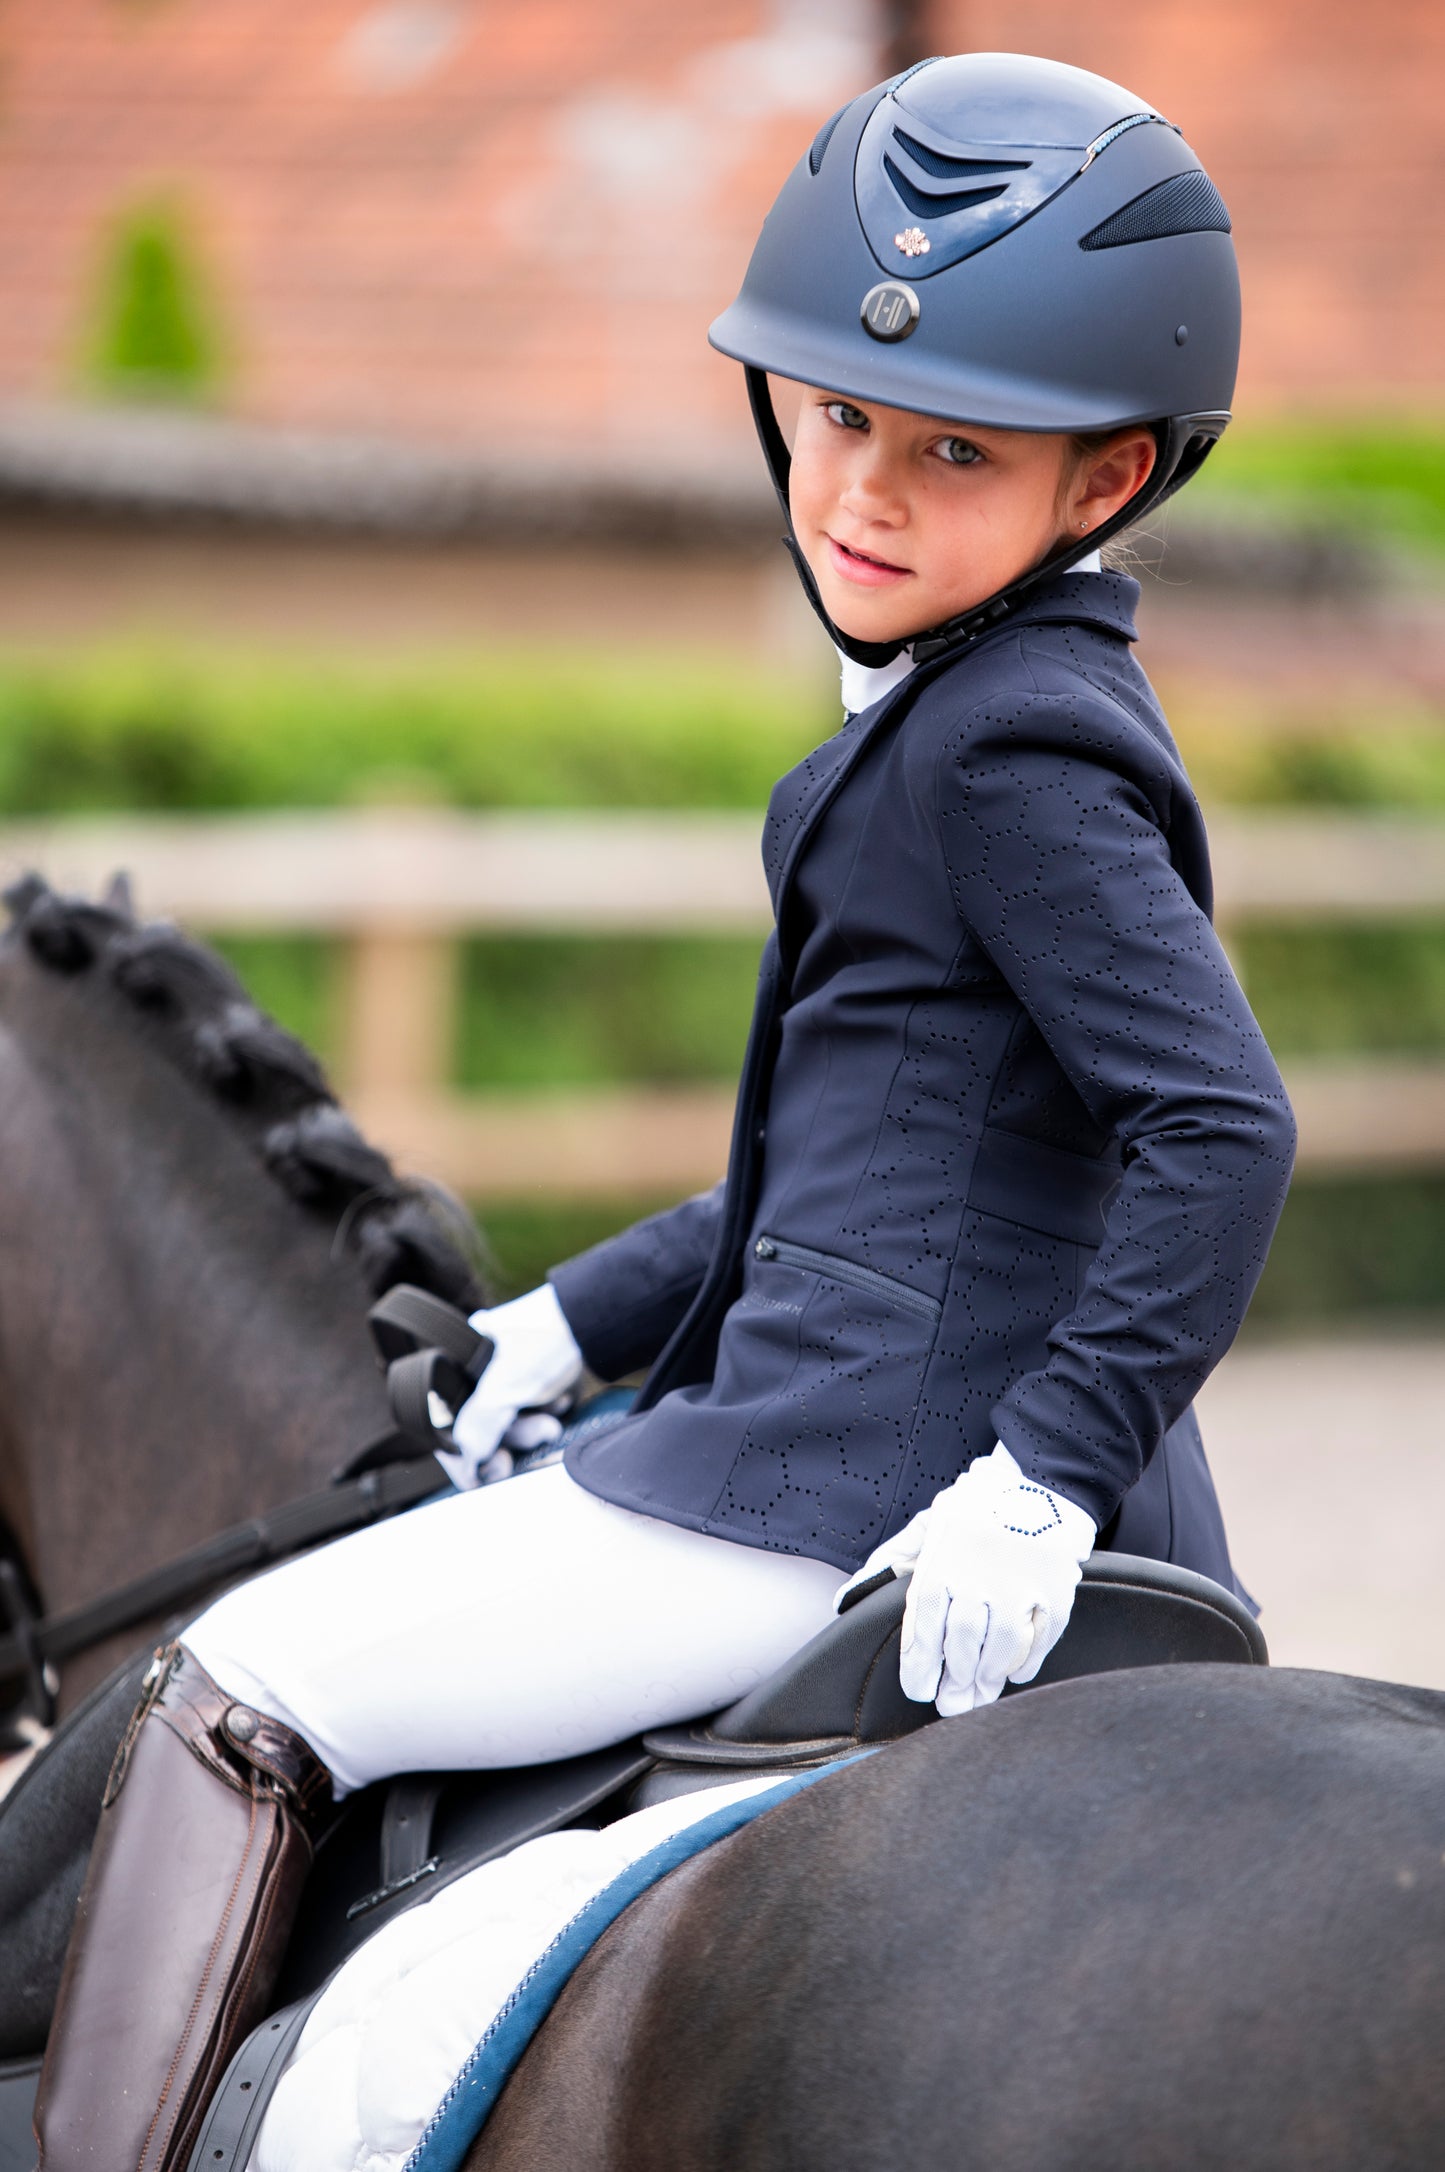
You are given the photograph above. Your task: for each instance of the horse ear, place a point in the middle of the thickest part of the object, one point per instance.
(120, 895)
(20, 896)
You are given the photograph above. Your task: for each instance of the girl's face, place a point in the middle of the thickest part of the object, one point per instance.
(907, 521)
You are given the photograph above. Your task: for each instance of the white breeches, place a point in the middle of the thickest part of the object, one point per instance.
(526, 1621)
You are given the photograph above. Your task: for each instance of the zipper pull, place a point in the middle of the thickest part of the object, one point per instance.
(765, 1249)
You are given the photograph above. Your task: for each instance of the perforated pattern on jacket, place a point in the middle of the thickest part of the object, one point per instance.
(1016, 1075)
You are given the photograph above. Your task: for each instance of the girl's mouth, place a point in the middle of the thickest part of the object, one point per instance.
(862, 568)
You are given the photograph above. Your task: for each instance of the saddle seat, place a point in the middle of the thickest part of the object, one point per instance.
(841, 1692)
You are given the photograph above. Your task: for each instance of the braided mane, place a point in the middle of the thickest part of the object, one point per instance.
(268, 1083)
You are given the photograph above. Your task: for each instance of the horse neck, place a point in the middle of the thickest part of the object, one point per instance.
(178, 1347)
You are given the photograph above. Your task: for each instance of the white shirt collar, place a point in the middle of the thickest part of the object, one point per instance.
(863, 684)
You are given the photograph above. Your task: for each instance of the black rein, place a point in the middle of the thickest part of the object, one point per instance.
(35, 1645)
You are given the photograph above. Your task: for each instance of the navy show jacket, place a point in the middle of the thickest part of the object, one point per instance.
(1009, 1146)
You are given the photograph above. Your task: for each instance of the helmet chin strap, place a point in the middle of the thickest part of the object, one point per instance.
(1183, 442)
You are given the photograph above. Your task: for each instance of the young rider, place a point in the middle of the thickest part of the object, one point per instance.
(1009, 1148)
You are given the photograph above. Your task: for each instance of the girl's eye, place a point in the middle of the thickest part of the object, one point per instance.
(846, 417)
(959, 452)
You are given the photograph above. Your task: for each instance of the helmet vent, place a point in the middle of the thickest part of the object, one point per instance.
(938, 207)
(945, 168)
(1187, 204)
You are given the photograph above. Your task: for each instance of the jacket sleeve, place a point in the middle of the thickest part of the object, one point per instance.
(1054, 824)
(624, 1297)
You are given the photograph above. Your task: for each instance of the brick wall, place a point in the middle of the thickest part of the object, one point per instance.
(496, 220)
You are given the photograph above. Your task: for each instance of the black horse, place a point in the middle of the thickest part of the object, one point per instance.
(190, 1234)
(1175, 1914)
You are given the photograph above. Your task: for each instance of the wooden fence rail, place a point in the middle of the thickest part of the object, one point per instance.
(399, 887)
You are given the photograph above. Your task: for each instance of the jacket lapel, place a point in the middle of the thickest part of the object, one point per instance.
(801, 798)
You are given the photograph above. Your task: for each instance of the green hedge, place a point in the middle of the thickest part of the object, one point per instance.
(1382, 476)
(132, 729)
(119, 729)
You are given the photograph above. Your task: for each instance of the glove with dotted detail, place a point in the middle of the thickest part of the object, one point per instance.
(995, 1559)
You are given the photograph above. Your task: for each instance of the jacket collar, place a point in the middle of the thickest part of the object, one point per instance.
(1085, 595)
(1101, 599)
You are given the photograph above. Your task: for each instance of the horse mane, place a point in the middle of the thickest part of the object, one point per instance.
(266, 1081)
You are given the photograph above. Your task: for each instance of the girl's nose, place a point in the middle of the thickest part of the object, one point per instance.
(871, 491)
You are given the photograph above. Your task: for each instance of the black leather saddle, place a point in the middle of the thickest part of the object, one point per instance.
(405, 1838)
(841, 1692)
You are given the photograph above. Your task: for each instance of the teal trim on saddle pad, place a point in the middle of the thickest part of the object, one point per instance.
(465, 2108)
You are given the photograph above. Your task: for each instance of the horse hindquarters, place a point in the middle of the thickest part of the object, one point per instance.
(1175, 1916)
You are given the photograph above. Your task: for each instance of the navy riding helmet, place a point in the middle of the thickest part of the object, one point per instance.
(1005, 241)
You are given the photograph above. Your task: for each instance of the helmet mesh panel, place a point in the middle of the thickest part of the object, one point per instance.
(823, 138)
(1189, 204)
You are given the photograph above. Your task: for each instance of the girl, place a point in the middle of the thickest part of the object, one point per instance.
(1009, 1148)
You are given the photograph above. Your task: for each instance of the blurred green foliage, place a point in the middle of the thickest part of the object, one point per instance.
(153, 335)
(523, 1240)
(555, 1010)
(1384, 477)
(1390, 767)
(1354, 1244)
(1346, 986)
(137, 731)
(151, 729)
(140, 729)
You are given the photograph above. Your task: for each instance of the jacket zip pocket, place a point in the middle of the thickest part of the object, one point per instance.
(891, 1291)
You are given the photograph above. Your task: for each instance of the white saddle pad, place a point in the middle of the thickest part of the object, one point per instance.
(400, 2020)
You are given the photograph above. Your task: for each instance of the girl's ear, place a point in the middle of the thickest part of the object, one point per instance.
(1109, 478)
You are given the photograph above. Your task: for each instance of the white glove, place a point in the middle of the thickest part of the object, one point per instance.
(535, 1361)
(996, 1559)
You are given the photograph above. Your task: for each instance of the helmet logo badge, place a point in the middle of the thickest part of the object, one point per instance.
(889, 310)
(912, 241)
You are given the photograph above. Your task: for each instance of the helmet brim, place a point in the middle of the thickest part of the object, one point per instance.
(923, 384)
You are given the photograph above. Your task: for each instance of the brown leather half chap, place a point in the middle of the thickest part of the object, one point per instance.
(203, 1847)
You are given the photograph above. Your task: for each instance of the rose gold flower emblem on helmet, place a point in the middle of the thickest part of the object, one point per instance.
(912, 241)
